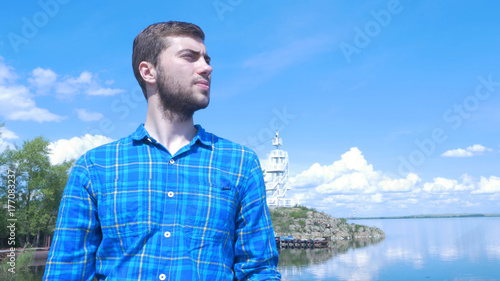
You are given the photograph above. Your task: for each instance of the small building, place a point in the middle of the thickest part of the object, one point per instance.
(276, 177)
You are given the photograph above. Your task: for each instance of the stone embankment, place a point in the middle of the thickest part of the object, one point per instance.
(304, 223)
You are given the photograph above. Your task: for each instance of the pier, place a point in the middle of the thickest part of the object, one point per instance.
(290, 242)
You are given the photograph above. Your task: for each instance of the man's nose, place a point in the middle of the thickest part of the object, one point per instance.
(205, 69)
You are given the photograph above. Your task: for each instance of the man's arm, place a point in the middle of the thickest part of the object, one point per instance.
(256, 256)
(78, 233)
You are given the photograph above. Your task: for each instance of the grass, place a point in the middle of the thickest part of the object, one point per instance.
(283, 218)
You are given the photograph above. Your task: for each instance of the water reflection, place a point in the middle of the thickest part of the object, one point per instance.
(295, 262)
(303, 257)
(434, 249)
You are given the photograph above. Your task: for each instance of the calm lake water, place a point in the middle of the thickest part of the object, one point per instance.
(414, 249)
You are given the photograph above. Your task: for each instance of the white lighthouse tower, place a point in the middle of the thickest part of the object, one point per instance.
(276, 176)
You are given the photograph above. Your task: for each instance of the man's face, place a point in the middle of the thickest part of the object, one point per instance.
(183, 77)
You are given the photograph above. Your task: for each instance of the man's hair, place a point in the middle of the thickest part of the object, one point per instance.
(153, 40)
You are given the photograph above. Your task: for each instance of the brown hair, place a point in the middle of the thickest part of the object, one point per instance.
(152, 41)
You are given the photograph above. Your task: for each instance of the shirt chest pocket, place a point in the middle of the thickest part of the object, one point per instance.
(208, 212)
(124, 211)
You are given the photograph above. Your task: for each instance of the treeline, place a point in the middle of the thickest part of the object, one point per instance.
(431, 216)
(38, 191)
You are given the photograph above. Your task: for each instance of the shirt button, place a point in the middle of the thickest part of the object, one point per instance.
(170, 194)
(167, 234)
(163, 276)
(172, 161)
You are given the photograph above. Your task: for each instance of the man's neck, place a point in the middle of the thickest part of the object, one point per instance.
(173, 133)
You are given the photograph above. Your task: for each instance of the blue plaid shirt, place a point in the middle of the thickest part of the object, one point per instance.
(132, 211)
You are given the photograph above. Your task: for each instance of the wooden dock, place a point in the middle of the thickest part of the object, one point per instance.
(289, 242)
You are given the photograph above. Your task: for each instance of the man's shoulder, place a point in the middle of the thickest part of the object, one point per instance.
(224, 145)
(104, 151)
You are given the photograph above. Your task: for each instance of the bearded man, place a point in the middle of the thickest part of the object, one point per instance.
(170, 201)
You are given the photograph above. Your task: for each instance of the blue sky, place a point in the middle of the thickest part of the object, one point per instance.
(385, 107)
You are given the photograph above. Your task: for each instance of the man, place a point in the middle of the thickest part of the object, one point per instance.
(171, 201)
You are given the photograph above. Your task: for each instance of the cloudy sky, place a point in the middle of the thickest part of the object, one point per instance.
(386, 107)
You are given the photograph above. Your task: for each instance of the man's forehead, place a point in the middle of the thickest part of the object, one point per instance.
(178, 43)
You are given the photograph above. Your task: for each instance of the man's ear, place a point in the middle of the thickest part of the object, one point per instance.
(148, 72)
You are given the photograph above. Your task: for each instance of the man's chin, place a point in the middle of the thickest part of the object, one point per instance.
(203, 100)
(203, 105)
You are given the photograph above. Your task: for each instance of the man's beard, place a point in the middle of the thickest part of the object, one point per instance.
(177, 103)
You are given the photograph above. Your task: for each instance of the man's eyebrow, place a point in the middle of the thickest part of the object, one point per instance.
(206, 56)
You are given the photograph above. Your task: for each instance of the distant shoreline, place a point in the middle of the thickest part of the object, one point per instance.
(430, 216)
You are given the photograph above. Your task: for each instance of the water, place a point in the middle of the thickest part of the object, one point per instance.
(414, 249)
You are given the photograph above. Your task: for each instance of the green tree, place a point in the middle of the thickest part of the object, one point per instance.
(32, 168)
(39, 187)
(4, 232)
(52, 194)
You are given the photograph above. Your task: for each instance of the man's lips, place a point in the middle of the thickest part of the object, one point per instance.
(203, 84)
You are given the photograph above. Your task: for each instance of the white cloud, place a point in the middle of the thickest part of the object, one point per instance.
(66, 150)
(457, 153)
(36, 114)
(16, 103)
(351, 174)
(399, 185)
(7, 73)
(351, 183)
(470, 151)
(71, 85)
(17, 100)
(377, 198)
(447, 185)
(104, 92)
(88, 116)
(7, 134)
(488, 185)
(87, 83)
(478, 148)
(42, 80)
(5, 145)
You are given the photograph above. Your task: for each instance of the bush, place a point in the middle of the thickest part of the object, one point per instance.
(302, 223)
(299, 214)
(22, 270)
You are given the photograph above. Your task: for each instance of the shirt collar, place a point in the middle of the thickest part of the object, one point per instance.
(202, 136)
(140, 133)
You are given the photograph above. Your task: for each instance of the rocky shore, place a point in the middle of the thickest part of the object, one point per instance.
(305, 223)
